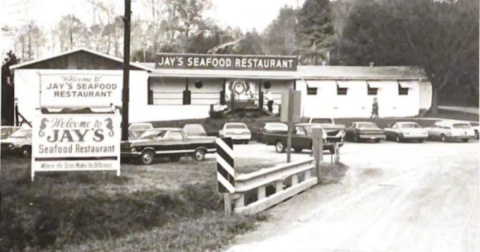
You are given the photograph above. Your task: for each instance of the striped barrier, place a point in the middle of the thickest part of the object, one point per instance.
(225, 165)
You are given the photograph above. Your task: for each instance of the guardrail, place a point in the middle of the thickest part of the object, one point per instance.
(254, 192)
(287, 179)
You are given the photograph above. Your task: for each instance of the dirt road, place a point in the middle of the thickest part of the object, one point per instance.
(393, 197)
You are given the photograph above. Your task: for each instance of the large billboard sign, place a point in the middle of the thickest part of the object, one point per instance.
(76, 142)
(78, 88)
(226, 62)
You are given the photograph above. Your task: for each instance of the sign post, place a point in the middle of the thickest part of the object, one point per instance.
(317, 137)
(290, 114)
(225, 171)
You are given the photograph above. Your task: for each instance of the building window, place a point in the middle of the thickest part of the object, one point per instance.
(311, 90)
(402, 90)
(341, 91)
(372, 91)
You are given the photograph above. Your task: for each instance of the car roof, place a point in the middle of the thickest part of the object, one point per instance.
(364, 122)
(238, 123)
(406, 122)
(166, 128)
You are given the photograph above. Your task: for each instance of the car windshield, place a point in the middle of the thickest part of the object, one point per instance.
(194, 130)
(22, 133)
(461, 126)
(236, 126)
(322, 120)
(276, 126)
(140, 127)
(153, 134)
(409, 126)
(367, 126)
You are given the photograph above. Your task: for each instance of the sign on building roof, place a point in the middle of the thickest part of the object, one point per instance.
(226, 62)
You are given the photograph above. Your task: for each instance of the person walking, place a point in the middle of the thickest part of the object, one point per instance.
(374, 108)
(269, 98)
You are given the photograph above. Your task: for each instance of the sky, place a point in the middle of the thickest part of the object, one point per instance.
(245, 14)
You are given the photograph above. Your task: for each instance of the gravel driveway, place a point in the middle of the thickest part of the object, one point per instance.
(393, 197)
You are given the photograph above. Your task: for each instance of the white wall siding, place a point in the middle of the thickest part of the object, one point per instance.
(357, 102)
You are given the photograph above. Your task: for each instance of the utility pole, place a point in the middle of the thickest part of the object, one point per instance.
(126, 70)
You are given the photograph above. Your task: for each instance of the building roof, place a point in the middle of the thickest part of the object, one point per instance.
(74, 51)
(303, 72)
(361, 73)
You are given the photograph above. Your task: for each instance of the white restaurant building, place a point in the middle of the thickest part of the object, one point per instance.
(185, 86)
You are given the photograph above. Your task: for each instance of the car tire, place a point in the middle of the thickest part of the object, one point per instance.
(298, 150)
(175, 158)
(356, 138)
(279, 147)
(26, 151)
(421, 140)
(199, 155)
(147, 157)
(443, 138)
(398, 139)
(377, 140)
(465, 140)
(477, 135)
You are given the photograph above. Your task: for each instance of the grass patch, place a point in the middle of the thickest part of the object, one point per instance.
(61, 211)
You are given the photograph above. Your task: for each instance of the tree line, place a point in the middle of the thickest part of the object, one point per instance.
(440, 36)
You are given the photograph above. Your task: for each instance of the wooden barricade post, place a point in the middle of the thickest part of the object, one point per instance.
(317, 138)
(225, 171)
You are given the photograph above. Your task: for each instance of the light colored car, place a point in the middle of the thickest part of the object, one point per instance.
(239, 132)
(20, 142)
(135, 130)
(406, 131)
(451, 131)
(334, 131)
(7, 131)
(194, 130)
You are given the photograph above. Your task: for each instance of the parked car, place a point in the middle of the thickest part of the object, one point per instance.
(19, 143)
(334, 131)
(239, 132)
(135, 130)
(406, 131)
(363, 131)
(301, 139)
(166, 142)
(270, 127)
(447, 130)
(194, 130)
(6, 131)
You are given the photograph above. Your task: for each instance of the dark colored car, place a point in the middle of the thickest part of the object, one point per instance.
(269, 128)
(19, 143)
(364, 131)
(166, 142)
(301, 139)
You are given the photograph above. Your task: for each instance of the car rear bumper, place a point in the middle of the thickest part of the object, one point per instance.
(462, 137)
(239, 137)
(372, 137)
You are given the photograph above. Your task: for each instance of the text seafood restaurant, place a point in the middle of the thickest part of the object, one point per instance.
(188, 86)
